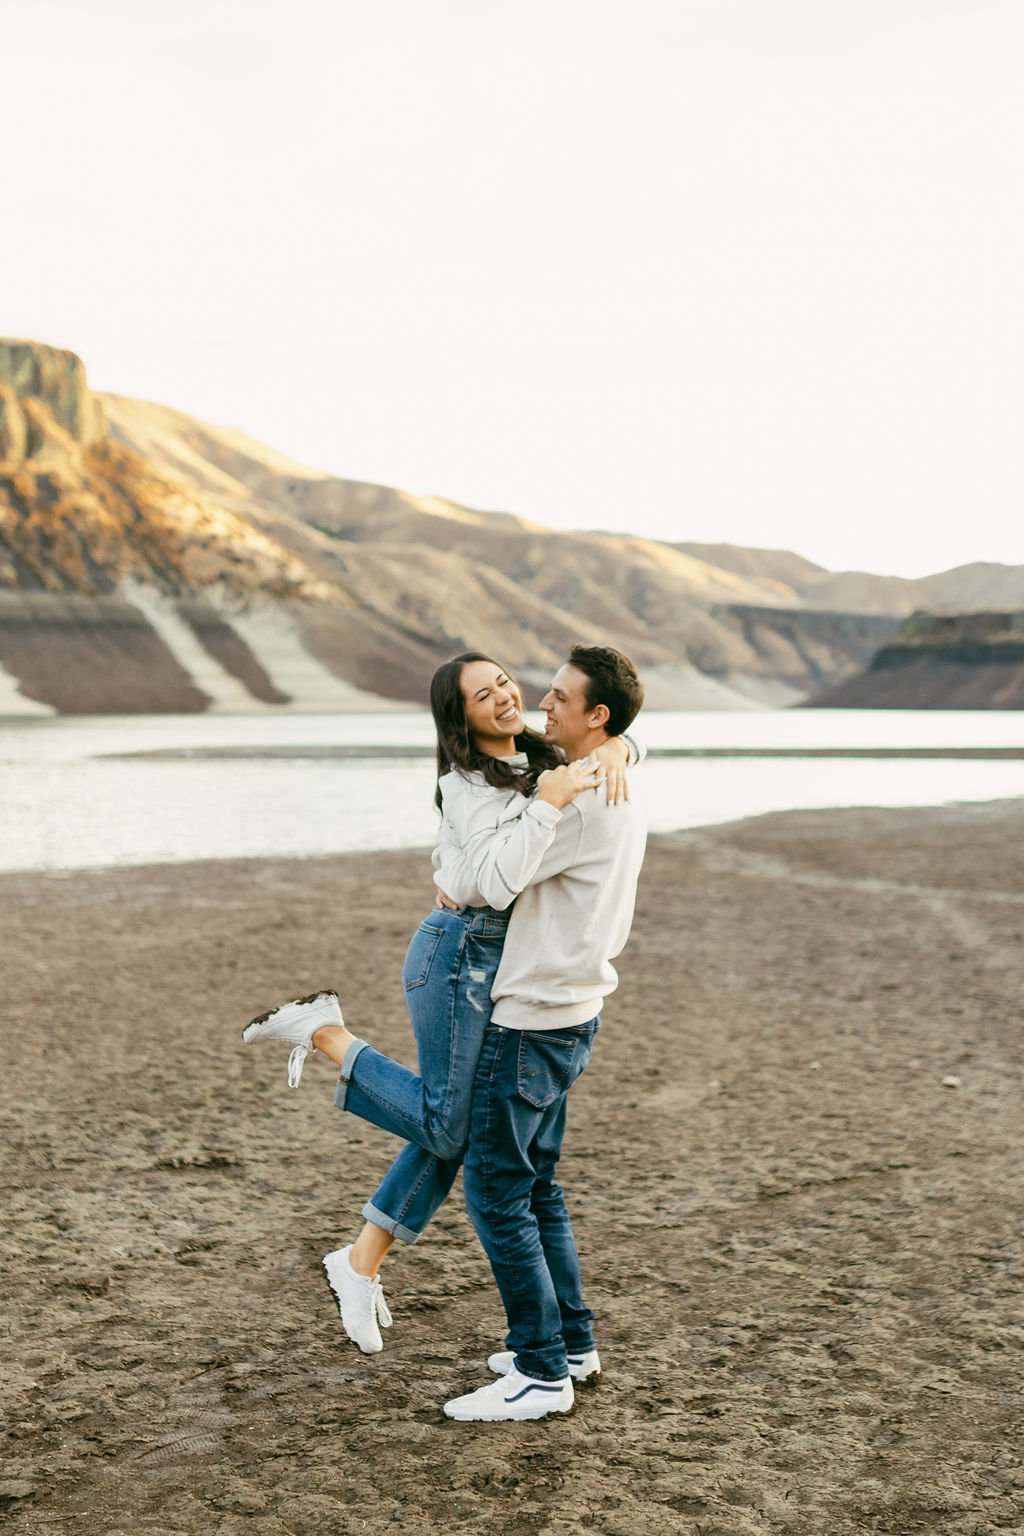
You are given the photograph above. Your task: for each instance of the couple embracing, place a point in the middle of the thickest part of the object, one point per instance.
(536, 866)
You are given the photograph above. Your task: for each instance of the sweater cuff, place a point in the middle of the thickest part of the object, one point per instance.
(543, 812)
(637, 751)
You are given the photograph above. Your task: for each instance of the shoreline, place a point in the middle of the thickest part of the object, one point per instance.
(369, 754)
(803, 1246)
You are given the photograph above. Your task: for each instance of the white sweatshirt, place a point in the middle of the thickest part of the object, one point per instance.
(575, 873)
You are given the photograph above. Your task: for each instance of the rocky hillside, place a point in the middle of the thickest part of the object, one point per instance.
(706, 636)
(81, 512)
(941, 661)
(149, 561)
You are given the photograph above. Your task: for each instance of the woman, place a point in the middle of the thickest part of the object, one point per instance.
(484, 750)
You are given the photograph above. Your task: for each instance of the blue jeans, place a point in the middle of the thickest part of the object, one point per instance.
(519, 1108)
(448, 974)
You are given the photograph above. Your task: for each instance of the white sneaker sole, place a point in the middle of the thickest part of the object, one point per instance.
(506, 1415)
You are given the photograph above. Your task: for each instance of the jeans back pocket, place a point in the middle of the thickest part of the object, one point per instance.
(419, 957)
(549, 1064)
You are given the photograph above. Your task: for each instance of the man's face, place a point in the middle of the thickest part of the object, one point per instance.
(566, 708)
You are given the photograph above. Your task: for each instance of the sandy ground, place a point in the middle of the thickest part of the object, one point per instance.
(804, 1250)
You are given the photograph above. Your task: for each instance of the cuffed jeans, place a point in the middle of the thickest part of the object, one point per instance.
(518, 1122)
(449, 970)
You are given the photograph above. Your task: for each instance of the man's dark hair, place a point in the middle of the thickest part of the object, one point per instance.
(611, 681)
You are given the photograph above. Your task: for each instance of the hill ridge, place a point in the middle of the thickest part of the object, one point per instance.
(107, 497)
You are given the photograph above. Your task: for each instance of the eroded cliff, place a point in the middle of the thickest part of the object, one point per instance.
(941, 661)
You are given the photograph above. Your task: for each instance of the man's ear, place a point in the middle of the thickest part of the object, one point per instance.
(598, 716)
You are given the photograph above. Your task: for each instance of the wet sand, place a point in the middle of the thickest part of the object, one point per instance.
(805, 1251)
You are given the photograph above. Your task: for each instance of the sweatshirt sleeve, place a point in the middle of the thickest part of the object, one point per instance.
(505, 859)
(452, 873)
(562, 851)
(636, 749)
(503, 842)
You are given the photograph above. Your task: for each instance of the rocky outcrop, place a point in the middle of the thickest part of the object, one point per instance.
(809, 647)
(100, 548)
(46, 408)
(941, 661)
(87, 522)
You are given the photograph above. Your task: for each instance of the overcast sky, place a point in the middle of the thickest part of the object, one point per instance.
(721, 270)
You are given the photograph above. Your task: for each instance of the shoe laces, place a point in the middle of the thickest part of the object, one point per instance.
(296, 1062)
(377, 1299)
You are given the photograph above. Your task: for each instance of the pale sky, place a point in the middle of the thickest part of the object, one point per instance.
(720, 270)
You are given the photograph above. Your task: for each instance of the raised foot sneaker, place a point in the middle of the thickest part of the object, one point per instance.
(582, 1368)
(515, 1396)
(296, 1023)
(360, 1300)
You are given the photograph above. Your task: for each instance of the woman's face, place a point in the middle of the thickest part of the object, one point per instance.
(494, 707)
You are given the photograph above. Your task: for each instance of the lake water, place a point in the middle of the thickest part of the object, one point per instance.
(73, 796)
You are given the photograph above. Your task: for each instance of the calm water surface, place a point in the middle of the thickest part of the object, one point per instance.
(71, 798)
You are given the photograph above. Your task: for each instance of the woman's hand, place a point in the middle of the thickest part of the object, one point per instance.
(560, 786)
(612, 756)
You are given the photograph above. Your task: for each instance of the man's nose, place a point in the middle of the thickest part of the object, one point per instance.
(546, 701)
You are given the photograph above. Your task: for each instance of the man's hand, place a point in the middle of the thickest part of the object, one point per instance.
(446, 903)
(560, 786)
(612, 756)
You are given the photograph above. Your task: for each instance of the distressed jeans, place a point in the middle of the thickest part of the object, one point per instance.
(449, 970)
(519, 1212)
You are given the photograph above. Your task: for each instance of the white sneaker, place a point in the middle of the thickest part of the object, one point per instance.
(360, 1301)
(296, 1024)
(581, 1367)
(513, 1397)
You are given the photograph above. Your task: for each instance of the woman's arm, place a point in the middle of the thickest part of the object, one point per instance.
(613, 757)
(503, 852)
(452, 874)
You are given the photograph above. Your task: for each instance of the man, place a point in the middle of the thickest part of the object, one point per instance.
(566, 928)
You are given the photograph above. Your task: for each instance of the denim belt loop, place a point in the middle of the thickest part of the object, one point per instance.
(485, 920)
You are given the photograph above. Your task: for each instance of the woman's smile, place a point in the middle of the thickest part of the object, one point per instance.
(494, 709)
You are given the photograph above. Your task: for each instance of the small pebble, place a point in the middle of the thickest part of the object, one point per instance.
(951, 1082)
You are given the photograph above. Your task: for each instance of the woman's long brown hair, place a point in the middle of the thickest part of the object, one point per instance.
(456, 748)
